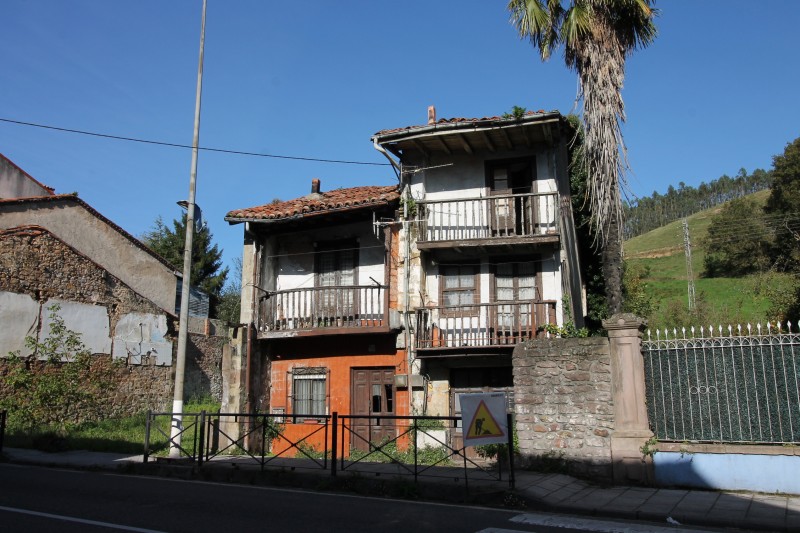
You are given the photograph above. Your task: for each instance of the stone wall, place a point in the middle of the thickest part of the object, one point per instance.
(35, 263)
(204, 366)
(563, 404)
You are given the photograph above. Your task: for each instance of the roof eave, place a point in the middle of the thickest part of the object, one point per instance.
(478, 125)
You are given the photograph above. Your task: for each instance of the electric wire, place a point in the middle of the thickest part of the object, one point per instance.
(177, 145)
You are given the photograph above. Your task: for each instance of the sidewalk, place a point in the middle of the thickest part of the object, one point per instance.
(543, 492)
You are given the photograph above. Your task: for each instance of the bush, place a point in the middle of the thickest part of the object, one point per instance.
(58, 386)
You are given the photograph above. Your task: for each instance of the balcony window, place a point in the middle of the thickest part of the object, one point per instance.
(459, 285)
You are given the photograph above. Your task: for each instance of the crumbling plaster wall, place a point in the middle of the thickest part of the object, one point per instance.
(38, 269)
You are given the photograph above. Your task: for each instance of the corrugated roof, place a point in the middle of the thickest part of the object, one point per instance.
(460, 120)
(319, 203)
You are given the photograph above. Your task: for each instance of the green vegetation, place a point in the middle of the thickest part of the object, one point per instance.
(207, 271)
(59, 385)
(118, 435)
(660, 259)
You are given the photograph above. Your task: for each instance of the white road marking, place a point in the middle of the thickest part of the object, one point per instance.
(587, 524)
(78, 520)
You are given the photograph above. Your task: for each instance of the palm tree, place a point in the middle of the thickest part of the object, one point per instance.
(598, 36)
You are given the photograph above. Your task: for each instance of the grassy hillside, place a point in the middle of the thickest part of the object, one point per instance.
(660, 253)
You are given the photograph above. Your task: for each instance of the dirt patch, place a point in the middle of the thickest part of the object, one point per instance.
(658, 252)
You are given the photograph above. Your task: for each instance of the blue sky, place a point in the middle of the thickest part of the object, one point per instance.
(716, 92)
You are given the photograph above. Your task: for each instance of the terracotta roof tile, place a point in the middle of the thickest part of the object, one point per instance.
(336, 200)
(456, 120)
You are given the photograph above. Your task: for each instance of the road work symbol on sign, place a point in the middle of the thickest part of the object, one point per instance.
(484, 418)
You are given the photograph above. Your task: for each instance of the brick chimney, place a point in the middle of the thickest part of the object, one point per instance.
(431, 114)
(315, 186)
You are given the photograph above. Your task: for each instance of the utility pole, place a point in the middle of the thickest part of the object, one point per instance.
(687, 246)
(183, 331)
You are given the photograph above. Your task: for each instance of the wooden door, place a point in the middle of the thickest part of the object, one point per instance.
(372, 395)
(507, 212)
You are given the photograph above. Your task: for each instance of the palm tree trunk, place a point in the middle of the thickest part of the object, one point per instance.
(613, 268)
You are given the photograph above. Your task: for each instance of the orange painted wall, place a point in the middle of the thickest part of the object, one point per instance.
(339, 367)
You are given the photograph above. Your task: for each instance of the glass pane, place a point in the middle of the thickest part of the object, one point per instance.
(505, 293)
(466, 297)
(376, 398)
(347, 267)
(450, 279)
(389, 398)
(451, 298)
(318, 396)
(467, 279)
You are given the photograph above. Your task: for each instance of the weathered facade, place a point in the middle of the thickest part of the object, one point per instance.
(108, 287)
(487, 246)
(323, 326)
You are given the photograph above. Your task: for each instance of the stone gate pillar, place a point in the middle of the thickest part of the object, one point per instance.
(631, 427)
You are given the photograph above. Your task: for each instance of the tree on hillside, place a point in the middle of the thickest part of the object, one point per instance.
(598, 36)
(207, 271)
(783, 206)
(738, 241)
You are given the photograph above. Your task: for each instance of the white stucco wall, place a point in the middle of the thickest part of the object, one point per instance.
(135, 334)
(295, 255)
(14, 183)
(140, 336)
(19, 318)
(90, 321)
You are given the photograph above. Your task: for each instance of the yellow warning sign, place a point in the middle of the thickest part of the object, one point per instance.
(483, 424)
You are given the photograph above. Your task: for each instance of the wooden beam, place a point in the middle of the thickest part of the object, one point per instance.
(465, 144)
(504, 134)
(421, 147)
(444, 146)
(488, 142)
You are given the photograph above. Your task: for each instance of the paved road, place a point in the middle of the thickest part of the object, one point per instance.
(47, 499)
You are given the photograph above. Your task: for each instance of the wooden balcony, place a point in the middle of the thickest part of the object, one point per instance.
(482, 325)
(324, 311)
(509, 219)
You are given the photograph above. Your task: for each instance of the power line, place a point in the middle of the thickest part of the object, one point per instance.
(176, 145)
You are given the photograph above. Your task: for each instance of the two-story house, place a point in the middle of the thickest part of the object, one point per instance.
(392, 300)
(487, 246)
(316, 289)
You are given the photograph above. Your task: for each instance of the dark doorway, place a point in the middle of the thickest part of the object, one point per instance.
(372, 394)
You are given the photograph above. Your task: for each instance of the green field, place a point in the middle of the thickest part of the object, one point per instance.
(720, 301)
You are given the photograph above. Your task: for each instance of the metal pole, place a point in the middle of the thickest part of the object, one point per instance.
(183, 333)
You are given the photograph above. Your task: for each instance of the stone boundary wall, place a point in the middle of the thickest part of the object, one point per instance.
(564, 404)
(35, 263)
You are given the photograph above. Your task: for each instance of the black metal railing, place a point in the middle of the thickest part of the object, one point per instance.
(418, 445)
(352, 306)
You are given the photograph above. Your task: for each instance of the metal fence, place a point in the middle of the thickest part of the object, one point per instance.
(713, 385)
(418, 445)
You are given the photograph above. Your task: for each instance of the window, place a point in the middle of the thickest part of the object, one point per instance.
(459, 285)
(335, 275)
(309, 392)
(515, 283)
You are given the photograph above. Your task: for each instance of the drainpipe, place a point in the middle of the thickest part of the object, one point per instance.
(395, 165)
(407, 296)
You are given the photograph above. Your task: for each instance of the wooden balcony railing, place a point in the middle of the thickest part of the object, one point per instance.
(317, 308)
(478, 325)
(491, 217)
